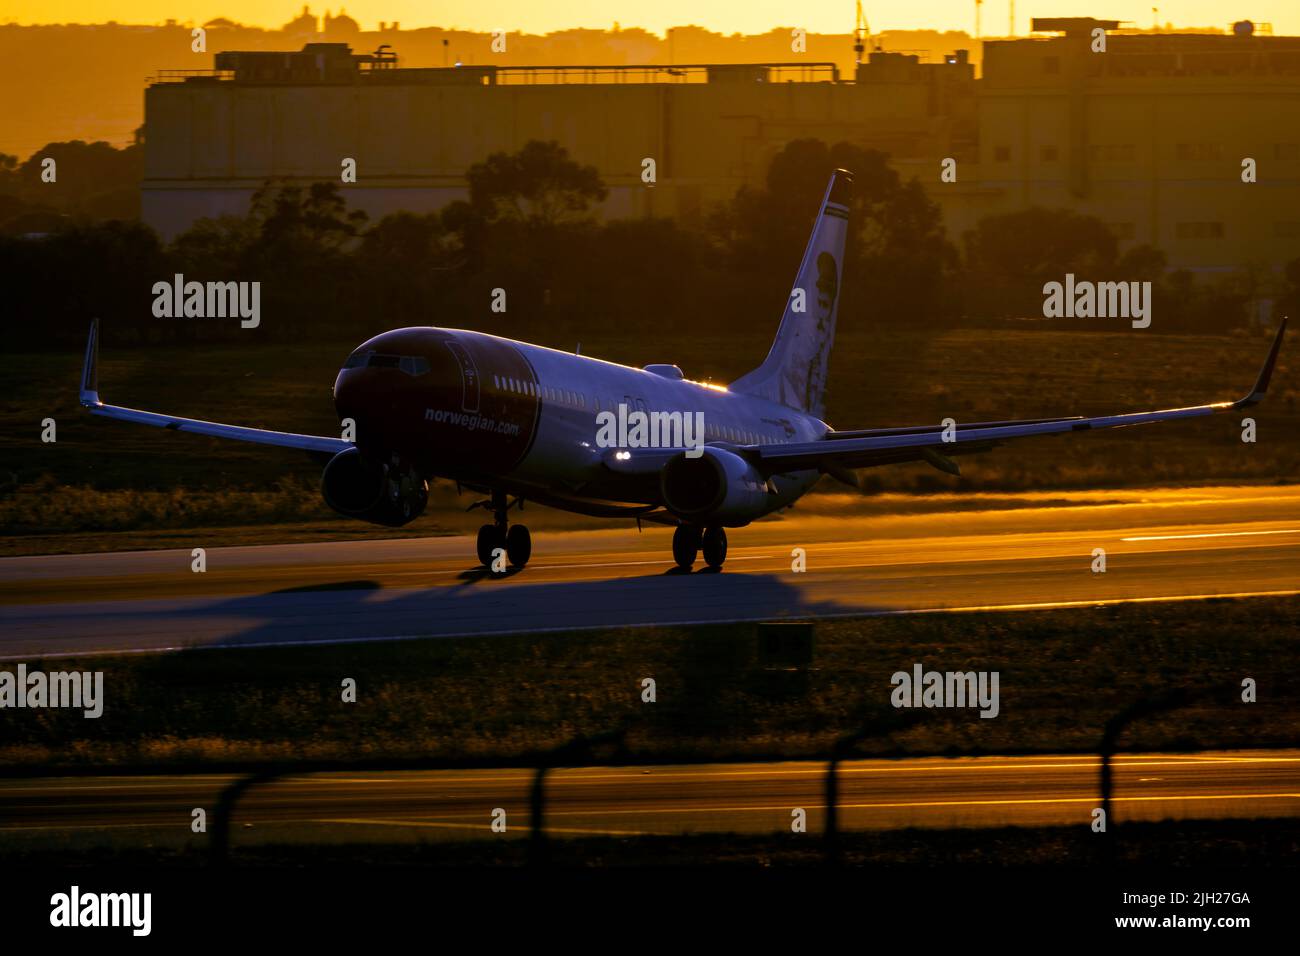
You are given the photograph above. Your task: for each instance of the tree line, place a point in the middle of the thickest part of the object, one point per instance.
(76, 249)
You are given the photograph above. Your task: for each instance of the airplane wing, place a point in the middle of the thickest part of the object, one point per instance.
(840, 451)
(90, 400)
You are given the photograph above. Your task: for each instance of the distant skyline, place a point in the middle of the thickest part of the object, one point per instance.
(722, 16)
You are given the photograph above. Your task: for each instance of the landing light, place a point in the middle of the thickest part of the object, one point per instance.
(623, 455)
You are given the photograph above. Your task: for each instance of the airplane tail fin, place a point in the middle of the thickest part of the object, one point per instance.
(794, 372)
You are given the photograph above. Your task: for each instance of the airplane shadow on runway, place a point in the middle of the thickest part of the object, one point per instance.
(348, 610)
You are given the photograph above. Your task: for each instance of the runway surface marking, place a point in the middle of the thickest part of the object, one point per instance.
(1214, 534)
(1161, 545)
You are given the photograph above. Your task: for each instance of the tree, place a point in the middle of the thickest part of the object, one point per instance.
(214, 247)
(896, 257)
(92, 181)
(114, 265)
(539, 185)
(408, 264)
(319, 217)
(406, 240)
(1010, 257)
(84, 170)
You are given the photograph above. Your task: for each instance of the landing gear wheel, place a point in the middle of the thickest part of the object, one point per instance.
(715, 547)
(489, 539)
(686, 544)
(519, 545)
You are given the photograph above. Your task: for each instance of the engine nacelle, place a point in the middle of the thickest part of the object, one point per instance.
(378, 493)
(717, 488)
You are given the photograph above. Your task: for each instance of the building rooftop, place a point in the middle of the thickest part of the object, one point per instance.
(335, 63)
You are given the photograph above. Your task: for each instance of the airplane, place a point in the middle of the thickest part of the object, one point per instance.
(516, 421)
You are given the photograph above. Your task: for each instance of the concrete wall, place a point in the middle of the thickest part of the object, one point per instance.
(1148, 137)
(211, 144)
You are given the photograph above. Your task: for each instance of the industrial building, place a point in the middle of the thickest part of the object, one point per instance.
(1149, 134)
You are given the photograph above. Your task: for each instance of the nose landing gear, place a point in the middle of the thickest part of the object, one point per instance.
(689, 540)
(513, 539)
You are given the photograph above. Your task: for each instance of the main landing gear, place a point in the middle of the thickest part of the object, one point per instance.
(513, 539)
(689, 540)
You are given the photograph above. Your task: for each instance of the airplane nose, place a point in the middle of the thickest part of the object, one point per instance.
(357, 398)
(346, 391)
(384, 404)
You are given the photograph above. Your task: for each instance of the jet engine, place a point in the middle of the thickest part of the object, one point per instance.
(717, 488)
(385, 494)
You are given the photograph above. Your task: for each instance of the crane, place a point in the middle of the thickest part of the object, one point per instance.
(860, 32)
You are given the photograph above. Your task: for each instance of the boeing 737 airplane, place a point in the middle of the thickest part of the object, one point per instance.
(518, 422)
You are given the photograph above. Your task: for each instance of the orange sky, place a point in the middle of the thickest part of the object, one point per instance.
(725, 16)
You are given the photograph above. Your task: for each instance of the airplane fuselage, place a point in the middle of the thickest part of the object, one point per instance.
(491, 412)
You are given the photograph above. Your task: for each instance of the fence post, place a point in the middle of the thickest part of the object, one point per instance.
(1168, 700)
(574, 753)
(831, 834)
(841, 749)
(538, 853)
(219, 841)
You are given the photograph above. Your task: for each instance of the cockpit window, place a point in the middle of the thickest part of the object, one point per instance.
(410, 364)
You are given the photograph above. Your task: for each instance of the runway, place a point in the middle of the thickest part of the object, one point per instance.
(1159, 545)
(738, 798)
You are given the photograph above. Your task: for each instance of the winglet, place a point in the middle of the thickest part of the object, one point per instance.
(1265, 373)
(90, 369)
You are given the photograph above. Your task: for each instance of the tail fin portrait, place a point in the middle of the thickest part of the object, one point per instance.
(794, 372)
